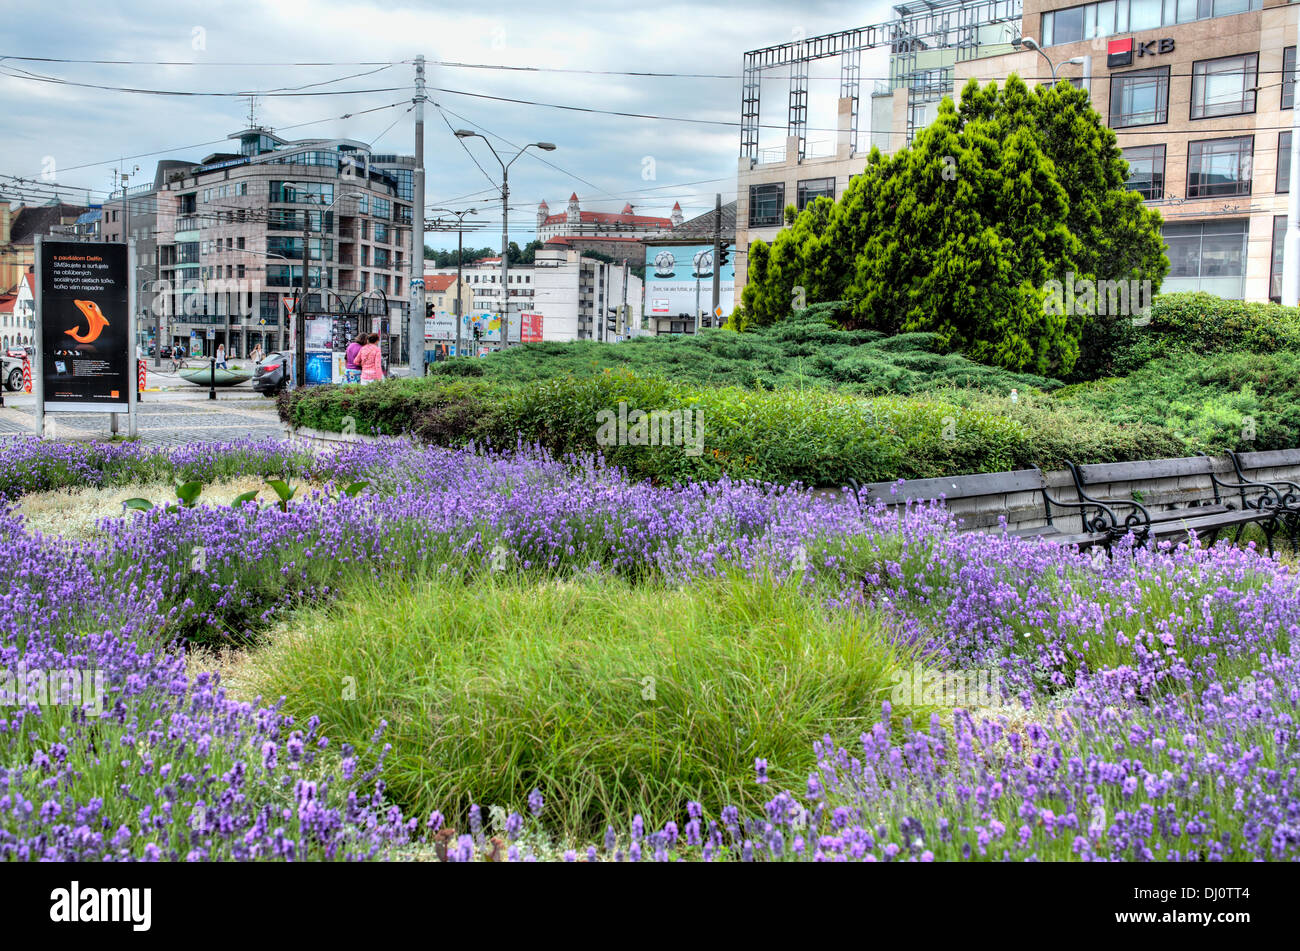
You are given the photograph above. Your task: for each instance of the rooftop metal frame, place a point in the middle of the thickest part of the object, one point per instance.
(918, 25)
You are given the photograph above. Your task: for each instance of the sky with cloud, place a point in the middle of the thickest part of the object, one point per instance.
(78, 135)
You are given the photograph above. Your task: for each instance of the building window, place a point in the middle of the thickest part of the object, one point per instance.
(766, 203)
(1140, 97)
(814, 188)
(1283, 162)
(1219, 167)
(1111, 17)
(1288, 78)
(1224, 86)
(1279, 242)
(1207, 256)
(1146, 171)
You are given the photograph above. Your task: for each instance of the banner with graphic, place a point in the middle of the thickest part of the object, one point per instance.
(87, 354)
(674, 275)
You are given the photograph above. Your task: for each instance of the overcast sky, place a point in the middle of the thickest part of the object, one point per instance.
(79, 135)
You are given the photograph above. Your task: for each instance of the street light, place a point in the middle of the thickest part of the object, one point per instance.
(505, 222)
(1029, 43)
(460, 253)
(299, 326)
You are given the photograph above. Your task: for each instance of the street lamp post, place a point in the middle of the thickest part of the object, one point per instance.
(460, 254)
(505, 222)
(1029, 43)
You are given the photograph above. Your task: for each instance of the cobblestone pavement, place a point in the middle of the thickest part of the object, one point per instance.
(164, 418)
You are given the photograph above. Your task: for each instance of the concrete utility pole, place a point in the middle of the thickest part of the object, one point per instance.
(416, 323)
(717, 258)
(299, 321)
(1291, 245)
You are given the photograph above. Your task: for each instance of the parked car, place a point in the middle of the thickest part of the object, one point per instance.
(11, 370)
(270, 375)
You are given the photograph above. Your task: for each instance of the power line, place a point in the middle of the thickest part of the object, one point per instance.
(15, 73)
(138, 62)
(222, 141)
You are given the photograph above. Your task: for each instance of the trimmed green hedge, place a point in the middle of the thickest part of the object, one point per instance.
(817, 437)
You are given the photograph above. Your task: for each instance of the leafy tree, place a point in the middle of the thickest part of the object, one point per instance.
(963, 233)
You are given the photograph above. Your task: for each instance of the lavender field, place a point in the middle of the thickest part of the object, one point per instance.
(461, 655)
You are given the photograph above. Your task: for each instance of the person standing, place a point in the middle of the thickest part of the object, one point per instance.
(221, 355)
(351, 367)
(371, 360)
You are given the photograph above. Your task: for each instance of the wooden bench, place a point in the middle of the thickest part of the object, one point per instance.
(994, 494)
(1179, 496)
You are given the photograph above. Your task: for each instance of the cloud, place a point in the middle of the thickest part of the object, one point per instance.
(601, 157)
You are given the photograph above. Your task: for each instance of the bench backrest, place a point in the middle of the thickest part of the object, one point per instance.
(1270, 459)
(954, 487)
(1147, 469)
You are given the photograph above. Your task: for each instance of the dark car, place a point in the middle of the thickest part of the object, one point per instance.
(269, 376)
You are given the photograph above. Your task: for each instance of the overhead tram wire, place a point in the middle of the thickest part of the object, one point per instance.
(498, 67)
(224, 140)
(16, 73)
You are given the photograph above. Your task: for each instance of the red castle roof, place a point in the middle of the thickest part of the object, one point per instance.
(607, 218)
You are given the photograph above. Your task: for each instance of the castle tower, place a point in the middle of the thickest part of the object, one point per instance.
(676, 216)
(543, 212)
(575, 213)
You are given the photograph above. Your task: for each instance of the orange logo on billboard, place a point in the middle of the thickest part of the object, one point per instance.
(95, 322)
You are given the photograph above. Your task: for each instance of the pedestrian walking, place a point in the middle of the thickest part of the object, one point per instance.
(221, 356)
(371, 360)
(351, 367)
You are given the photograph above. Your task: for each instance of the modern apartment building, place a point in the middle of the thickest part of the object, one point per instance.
(230, 241)
(1201, 95)
(132, 213)
(581, 298)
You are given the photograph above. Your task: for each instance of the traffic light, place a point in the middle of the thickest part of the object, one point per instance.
(428, 310)
(722, 257)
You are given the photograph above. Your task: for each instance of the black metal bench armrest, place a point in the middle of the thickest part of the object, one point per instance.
(1138, 519)
(1105, 519)
(1283, 503)
(855, 486)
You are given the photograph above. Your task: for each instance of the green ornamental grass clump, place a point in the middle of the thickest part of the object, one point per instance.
(611, 699)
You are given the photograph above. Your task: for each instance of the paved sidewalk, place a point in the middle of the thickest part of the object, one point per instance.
(168, 418)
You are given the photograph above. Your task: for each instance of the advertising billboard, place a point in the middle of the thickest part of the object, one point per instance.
(86, 350)
(674, 274)
(530, 328)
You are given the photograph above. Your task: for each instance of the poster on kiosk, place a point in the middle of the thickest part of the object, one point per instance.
(85, 330)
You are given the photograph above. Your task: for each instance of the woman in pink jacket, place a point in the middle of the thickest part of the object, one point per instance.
(371, 360)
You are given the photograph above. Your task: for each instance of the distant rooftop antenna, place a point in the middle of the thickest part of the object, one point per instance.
(252, 112)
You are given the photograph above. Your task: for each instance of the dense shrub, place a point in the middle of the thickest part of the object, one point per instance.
(1187, 323)
(1209, 403)
(806, 350)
